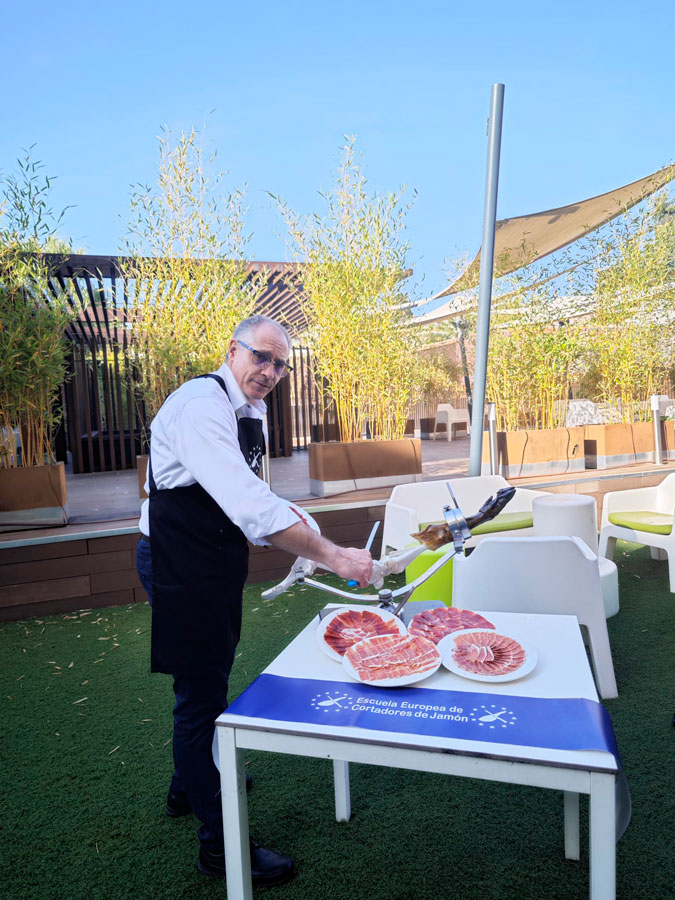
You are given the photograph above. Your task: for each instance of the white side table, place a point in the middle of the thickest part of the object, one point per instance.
(576, 515)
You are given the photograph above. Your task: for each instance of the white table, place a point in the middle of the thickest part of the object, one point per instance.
(562, 671)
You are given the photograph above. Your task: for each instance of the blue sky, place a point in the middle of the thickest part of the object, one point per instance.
(589, 97)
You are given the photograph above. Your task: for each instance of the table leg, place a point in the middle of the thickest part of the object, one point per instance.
(235, 816)
(343, 807)
(571, 804)
(603, 837)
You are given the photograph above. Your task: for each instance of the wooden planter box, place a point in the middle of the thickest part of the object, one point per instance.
(33, 497)
(668, 439)
(545, 451)
(340, 466)
(623, 444)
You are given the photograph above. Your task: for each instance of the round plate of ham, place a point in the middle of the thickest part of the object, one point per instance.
(392, 660)
(434, 624)
(339, 630)
(482, 654)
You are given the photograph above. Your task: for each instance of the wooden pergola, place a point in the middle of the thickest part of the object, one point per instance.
(105, 425)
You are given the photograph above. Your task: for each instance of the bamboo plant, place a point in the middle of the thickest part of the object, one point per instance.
(614, 338)
(354, 264)
(629, 331)
(189, 281)
(33, 320)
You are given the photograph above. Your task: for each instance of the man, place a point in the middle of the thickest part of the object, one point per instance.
(205, 501)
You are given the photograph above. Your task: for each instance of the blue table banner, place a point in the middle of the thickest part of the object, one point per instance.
(572, 723)
(560, 724)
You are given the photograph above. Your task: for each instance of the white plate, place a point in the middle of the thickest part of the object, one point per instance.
(391, 682)
(325, 622)
(446, 646)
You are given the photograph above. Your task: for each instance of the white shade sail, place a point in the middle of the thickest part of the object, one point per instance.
(523, 239)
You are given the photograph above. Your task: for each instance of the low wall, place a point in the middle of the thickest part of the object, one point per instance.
(67, 569)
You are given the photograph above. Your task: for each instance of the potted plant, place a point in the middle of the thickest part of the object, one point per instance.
(530, 367)
(353, 266)
(605, 335)
(33, 350)
(188, 279)
(627, 332)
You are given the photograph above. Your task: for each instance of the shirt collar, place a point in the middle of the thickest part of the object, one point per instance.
(237, 396)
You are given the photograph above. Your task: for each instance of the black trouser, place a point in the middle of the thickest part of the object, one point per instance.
(200, 699)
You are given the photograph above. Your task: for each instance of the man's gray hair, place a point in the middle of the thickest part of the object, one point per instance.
(246, 329)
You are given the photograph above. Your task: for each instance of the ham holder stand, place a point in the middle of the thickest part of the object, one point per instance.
(456, 529)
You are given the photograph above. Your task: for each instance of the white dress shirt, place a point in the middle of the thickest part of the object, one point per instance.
(194, 439)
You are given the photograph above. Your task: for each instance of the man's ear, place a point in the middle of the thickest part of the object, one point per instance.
(232, 349)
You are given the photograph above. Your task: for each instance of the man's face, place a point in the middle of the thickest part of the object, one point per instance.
(254, 381)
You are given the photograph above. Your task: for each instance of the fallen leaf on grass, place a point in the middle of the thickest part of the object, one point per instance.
(80, 701)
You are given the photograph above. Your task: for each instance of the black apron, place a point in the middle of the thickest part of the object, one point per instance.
(199, 568)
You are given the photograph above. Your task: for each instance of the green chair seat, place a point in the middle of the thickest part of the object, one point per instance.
(643, 520)
(506, 521)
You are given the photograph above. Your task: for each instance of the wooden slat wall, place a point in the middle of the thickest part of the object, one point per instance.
(62, 576)
(67, 575)
(104, 417)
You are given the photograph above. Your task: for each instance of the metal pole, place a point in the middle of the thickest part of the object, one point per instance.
(656, 418)
(492, 429)
(486, 269)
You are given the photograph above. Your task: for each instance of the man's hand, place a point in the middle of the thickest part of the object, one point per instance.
(354, 564)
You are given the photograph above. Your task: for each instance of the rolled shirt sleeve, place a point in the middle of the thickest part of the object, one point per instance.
(205, 442)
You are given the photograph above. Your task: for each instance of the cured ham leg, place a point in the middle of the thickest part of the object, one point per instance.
(436, 536)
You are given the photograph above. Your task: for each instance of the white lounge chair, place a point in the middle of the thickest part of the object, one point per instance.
(643, 516)
(453, 419)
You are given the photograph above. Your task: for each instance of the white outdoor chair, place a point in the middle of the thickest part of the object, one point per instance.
(453, 419)
(539, 575)
(643, 516)
(576, 515)
(413, 505)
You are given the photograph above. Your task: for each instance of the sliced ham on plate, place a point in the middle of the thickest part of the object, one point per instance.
(434, 624)
(351, 626)
(389, 658)
(487, 653)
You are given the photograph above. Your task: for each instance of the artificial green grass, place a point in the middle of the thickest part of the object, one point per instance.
(85, 756)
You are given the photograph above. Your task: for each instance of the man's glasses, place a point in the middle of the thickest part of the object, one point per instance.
(263, 360)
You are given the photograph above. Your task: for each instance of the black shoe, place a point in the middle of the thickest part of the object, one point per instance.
(267, 867)
(178, 805)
